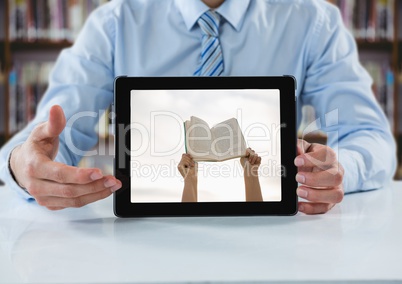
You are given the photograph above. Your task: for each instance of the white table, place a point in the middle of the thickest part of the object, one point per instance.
(359, 240)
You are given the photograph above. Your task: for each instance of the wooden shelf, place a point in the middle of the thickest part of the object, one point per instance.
(375, 45)
(39, 45)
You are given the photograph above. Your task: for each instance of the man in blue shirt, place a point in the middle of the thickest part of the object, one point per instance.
(162, 38)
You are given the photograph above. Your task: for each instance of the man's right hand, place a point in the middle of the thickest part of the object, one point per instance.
(56, 185)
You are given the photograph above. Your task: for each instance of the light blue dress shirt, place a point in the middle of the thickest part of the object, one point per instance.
(259, 38)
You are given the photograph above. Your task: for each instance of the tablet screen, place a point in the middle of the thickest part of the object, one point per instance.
(216, 129)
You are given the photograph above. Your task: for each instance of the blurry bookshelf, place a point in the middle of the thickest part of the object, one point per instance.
(2, 107)
(377, 27)
(33, 32)
(27, 83)
(48, 20)
(374, 24)
(368, 20)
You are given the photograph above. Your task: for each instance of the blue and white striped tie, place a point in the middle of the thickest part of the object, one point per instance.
(211, 55)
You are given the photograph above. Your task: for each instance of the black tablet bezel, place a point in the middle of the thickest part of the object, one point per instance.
(123, 207)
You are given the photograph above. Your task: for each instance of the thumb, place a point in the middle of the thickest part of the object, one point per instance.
(302, 146)
(57, 121)
(52, 128)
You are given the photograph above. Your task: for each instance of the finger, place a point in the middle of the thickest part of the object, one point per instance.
(253, 158)
(54, 208)
(187, 156)
(45, 188)
(256, 158)
(302, 146)
(61, 173)
(249, 151)
(60, 202)
(183, 169)
(51, 128)
(186, 163)
(57, 121)
(187, 159)
(315, 208)
(329, 178)
(333, 195)
(320, 156)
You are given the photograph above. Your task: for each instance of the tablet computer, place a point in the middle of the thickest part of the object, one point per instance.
(205, 146)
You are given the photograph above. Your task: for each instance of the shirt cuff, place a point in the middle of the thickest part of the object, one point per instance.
(351, 161)
(12, 183)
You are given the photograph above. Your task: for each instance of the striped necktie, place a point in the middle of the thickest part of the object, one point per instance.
(211, 55)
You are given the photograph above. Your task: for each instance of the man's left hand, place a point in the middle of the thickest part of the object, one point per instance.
(320, 176)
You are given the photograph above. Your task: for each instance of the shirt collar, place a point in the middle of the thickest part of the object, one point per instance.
(232, 10)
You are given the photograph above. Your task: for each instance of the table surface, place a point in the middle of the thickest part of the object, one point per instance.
(359, 240)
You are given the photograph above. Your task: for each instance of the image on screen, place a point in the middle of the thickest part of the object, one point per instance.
(205, 146)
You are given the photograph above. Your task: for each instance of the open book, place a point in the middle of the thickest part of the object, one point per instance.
(222, 142)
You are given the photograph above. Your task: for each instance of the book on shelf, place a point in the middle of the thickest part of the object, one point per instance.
(2, 20)
(399, 17)
(27, 83)
(222, 142)
(2, 103)
(54, 20)
(400, 108)
(370, 20)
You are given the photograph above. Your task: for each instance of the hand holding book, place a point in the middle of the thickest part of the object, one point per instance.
(250, 162)
(188, 170)
(187, 167)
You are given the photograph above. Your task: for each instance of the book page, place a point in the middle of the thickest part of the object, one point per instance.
(198, 139)
(227, 140)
